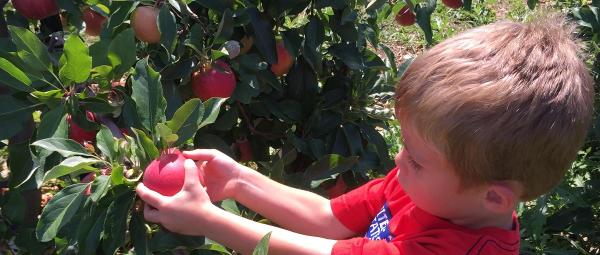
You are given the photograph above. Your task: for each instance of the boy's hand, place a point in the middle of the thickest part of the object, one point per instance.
(184, 212)
(221, 173)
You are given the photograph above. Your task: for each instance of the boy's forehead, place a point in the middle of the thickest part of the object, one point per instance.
(419, 148)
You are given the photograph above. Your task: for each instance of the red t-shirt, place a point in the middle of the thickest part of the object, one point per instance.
(394, 225)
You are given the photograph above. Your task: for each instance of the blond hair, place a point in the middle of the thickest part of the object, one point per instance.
(505, 101)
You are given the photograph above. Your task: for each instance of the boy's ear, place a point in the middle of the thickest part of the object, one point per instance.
(500, 198)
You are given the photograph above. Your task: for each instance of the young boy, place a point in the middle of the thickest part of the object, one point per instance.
(490, 117)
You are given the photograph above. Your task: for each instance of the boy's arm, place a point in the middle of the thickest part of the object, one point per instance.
(242, 235)
(297, 210)
(190, 212)
(294, 209)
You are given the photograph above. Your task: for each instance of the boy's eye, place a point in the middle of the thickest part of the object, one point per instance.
(413, 163)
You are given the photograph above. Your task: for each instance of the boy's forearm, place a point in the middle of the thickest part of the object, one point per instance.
(243, 235)
(294, 209)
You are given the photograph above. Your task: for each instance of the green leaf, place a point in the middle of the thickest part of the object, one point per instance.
(165, 136)
(65, 147)
(212, 107)
(315, 34)
(139, 235)
(163, 240)
(531, 4)
(100, 187)
(167, 28)
(225, 29)
(13, 77)
(53, 124)
(30, 49)
(14, 114)
(116, 176)
(349, 54)
(146, 150)
(424, 11)
(59, 211)
(121, 54)
(218, 6)
(263, 35)
(148, 95)
(190, 113)
(106, 142)
(113, 235)
(78, 61)
(186, 120)
(231, 206)
(90, 230)
(323, 169)
(70, 165)
(52, 98)
(262, 248)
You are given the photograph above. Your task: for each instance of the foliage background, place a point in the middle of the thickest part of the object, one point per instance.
(565, 221)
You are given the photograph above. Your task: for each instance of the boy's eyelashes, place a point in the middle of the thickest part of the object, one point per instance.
(413, 163)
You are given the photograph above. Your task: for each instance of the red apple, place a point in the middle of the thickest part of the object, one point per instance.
(338, 189)
(284, 61)
(79, 134)
(454, 4)
(36, 9)
(93, 22)
(214, 82)
(244, 150)
(405, 17)
(166, 174)
(143, 22)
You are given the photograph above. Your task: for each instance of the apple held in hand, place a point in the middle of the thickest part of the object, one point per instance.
(36, 9)
(166, 174)
(217, 80)
(79, 134)
(454, 4)
(93, 22)
(405, 17)
(143, 22)
(284, 61)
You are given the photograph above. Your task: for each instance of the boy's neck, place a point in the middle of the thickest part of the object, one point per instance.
(504, 221)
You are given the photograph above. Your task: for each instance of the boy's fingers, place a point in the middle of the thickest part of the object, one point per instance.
(151, 214)
(200, 154)
(149, 196)
(191, 174)
(200, 165)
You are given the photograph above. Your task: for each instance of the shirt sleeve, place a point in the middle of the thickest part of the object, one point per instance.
(357, 208)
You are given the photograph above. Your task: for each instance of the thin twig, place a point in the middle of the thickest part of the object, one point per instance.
(251, 127)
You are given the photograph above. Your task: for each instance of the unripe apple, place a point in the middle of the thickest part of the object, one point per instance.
(214, 81)
(79, 134)
(454, 4)
(36, 9)
(338, 189)
(143, 22)
(284, 61)
(93, 22)
(166, 174)
(244, 150)
(405, 17)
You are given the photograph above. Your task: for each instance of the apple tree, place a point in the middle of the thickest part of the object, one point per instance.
(92, 91)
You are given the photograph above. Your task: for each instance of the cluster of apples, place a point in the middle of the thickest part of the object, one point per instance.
(406, 16)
